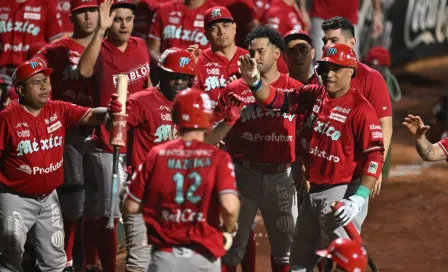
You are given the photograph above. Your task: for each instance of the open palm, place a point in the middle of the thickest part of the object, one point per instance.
(106, 18)
(415, 125)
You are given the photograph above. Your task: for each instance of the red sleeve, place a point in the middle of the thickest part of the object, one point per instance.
(156, 27)
(73, 113)
(3, 132)
(53, 24)
(443, 145)
(42, 56)
(378, 95)
(137, 186)
(368, 140)
(225, 175)
(135, 112)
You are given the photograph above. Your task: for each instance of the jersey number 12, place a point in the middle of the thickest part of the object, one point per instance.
(179, 180)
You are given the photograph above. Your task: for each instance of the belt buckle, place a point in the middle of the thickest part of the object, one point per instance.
(42, 197)
(182, 252)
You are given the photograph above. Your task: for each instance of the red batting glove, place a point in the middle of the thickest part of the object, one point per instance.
(114, 105)
(235, 103)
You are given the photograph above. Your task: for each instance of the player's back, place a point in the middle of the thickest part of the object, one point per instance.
(181, 202)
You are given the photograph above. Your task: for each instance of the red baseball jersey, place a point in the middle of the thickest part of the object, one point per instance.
(66, 84)
(32, 147)
(444, 146)
(214, 70)
(175, 25)
(336, 134)
(64, 9)
(179, 185)
(327, 9)
(261, 7)
(283, 17)
(149, 117)
(371, 84)
(111, 62)
(262, 136)
(24, 24)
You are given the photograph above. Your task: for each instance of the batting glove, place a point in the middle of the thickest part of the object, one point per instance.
(114, 105)
(351, 207)
(235, 103)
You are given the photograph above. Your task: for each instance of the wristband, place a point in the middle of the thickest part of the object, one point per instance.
(256, 86)
(363, 191)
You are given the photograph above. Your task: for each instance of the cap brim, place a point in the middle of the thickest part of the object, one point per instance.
(46, 71)
(298, 36)
(85, 6)
(219, 19)
(323, 253)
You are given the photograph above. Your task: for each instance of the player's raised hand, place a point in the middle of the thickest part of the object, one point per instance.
(415, 125)
(195, 51)
(248, 69)
(232, 79)
(106, 18)
(235, 103)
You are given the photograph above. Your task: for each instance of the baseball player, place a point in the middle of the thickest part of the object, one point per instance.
(341, 143)
(102, 61)
(63, 57)
(426, 150)
(263, 173)
(183, 216)
(178, 23)
(34, 130)
(347, 256)
(64, 8)
(322, 10)
(150, 123)
(369, 82)
(23, 23)
(298, 55)
(219, 62)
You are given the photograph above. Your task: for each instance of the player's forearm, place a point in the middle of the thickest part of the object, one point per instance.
(90, 54)
(302, 5)
(377, 6)
(386, 128)
(96, 117)
(427, 150)
(154, 49)
(230, 209)
(368, 181)
(218, 133)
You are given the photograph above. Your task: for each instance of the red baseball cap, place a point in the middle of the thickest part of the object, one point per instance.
(80, 4)
(176, 60)
(29, 69)
(125, 4)
(217, 13)
(347, 254)
(339, 54)
(378, 55)
(297, 34)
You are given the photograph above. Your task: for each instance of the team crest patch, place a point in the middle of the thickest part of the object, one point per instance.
(331, 51)
(184, 61)
(216, 13)
(373, 167)
(33, 64)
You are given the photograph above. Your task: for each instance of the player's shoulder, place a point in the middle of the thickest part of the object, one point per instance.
(241, 51)
(145, 96)
(291, 82)
(364, 72)
(361, 104)
(139, 41)
(10, 111)
(168, 6)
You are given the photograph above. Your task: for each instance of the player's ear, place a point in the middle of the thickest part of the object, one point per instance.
(277, 53)
(313, 53)
(19, 90)
(351, 72)
(351, 42)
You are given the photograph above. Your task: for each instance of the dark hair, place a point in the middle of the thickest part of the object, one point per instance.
(266, 32)
(339, 22)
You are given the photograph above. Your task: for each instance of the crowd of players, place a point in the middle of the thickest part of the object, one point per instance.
(252, 60)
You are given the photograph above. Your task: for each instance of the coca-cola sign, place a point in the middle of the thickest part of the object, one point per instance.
(413, 29)
(426, 22)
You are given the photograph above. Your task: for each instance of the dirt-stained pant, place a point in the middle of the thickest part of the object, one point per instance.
(275, 196)
(41, 219)
(182, 259)
(316, 227)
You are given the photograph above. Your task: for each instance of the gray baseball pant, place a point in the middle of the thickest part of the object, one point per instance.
(182, 259)
(42, 221)
(138, 252)
(276, 197)
(316, 227)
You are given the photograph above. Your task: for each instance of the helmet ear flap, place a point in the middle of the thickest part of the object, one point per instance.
(318, 69)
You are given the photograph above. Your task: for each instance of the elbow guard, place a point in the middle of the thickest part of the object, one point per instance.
(373, 164)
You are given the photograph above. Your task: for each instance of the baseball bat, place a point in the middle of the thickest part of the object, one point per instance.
(117, 139)
(354, 235)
